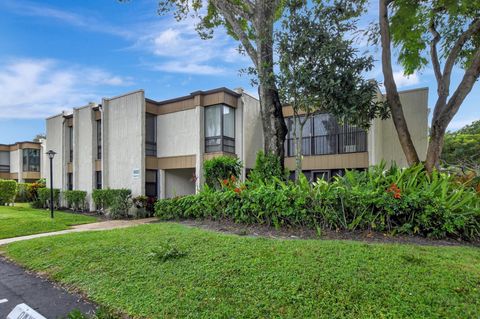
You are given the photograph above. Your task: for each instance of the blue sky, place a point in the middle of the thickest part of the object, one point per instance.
(57, 54)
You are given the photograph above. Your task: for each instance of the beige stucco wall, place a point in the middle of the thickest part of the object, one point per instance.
(124, 142)
(83, 155)
(178, 133)
(178, 182)
(415, 108)
(252, 130)
(55, 139)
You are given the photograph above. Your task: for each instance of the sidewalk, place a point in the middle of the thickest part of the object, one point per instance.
(106, 225)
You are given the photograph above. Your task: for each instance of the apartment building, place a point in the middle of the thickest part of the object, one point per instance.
(157, 148)
(329, 148)
(22, 161)
(154, 148)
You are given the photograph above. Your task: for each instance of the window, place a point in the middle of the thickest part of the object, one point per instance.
(99, 139)
(70, 143)
(151, 135)
(151, 183)
(219, 129)
(5, 161)
(31, 160)
(323, 135)
(70, 181)
(98, 180)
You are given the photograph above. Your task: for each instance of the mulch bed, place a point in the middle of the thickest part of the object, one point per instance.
(227, 226)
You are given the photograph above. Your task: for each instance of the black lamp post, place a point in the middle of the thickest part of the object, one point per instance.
(51, 155)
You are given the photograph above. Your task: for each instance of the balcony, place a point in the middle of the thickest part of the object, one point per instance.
(341, 143)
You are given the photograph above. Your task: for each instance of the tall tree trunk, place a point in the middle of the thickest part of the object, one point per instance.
(298, 137)
(393, 97)
(274, 127)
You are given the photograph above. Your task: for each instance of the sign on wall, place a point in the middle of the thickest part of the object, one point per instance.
(136, 173)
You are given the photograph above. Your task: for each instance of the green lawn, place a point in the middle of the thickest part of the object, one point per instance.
(228, 276)
(22, 220)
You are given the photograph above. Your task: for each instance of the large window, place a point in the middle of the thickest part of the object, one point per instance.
(323, 135)
(31, 160)
(151, 183)
(99, 139)
(5, 161)
(151, 135)
(219, 129)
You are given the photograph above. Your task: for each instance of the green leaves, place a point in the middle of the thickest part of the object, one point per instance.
(411, 26)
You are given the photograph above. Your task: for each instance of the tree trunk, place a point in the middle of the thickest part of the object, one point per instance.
(274, 127)
(298, 136)
(393, 97)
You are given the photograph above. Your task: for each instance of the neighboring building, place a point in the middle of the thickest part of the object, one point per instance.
(22, 161)
(153, 148)
(158, 148)
(328, 148)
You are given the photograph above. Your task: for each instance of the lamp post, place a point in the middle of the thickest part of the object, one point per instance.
(51, 155)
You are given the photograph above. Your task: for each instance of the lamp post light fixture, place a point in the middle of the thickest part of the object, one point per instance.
(51, 155)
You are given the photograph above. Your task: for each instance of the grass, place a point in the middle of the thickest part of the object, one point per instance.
(168, 270)
(22, 220)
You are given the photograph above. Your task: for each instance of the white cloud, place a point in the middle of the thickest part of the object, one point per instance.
(403, 80)
(41, 88)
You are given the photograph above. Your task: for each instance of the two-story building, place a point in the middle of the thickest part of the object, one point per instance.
(157, 148)
(22, 161)
(154, 148)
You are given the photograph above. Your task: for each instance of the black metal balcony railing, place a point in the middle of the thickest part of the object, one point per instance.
(353, 142)
(219, 144)
(5, 168)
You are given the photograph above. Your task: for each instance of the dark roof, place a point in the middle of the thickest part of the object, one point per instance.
(186, 97)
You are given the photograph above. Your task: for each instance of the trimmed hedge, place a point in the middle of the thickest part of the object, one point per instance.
(399, 201)
(8, 190)
(75, 199)
(43, 200)
(114, 202)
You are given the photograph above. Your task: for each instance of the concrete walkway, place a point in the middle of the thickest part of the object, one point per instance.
(106, 225)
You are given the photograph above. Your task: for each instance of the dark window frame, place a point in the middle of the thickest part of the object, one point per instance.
(151, 146)
(152, 183)
(70, 181)
(70, 144)
(98, 181)
(227, 143)
(31, 163)
(99, 139)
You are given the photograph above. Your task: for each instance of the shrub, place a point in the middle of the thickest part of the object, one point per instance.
(43, 200)
(121, 202)
(75, 199)
(405, 201)
(221, 168)
(267, 167)
(141, 204)
(22, 193)
(100, 199)
(8, 190)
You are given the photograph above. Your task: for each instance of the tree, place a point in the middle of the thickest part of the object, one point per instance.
(436, 32)
(319, 69)
(462, 148)
(252, 23)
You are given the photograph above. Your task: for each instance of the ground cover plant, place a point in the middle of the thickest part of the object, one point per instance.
(406, 201)
(204, 274)
(21, 220)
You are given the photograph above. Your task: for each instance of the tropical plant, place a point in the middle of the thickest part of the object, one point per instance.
(221, 168)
